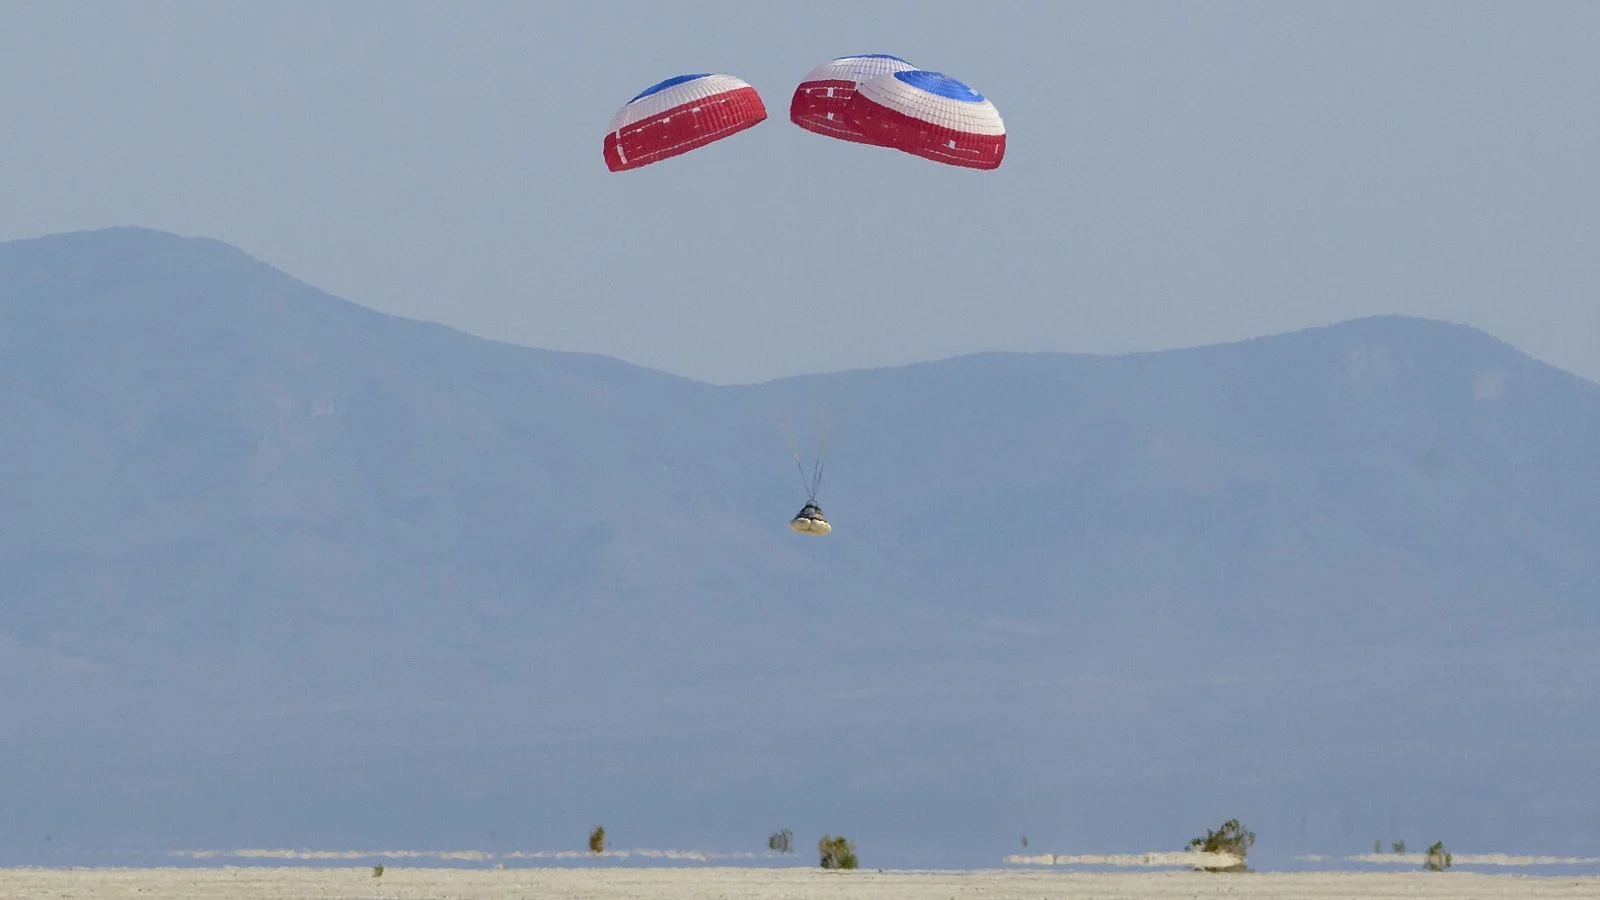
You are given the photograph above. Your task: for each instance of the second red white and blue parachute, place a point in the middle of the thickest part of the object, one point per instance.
(874, 99)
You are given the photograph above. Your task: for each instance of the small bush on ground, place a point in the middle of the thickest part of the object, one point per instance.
(1438, 858)
(837, 852)
(1398, 846)
(597, 840)
(781, 841)
(377, 871)
(1230, 838)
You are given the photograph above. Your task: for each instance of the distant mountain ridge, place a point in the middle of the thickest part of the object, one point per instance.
(279, 570)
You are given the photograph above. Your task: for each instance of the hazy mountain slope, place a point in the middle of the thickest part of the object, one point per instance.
(276, 569)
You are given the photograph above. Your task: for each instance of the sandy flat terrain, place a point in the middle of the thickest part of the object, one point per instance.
(735, 883)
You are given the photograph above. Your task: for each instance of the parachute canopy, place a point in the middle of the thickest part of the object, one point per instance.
(677, 115)
(809, 520)
(931, 115)
(820, 101)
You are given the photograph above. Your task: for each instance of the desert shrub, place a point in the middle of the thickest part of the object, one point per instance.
(837, 852)
(377, 871)
(781, 841)
(1024, 841)
(597, 840)
(1377, 846)
(1438, 858)
(1398, 846)
(1230, 838)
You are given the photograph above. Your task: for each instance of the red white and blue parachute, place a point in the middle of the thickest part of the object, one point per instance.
(819, 103)
(931, 115)
(678, 115)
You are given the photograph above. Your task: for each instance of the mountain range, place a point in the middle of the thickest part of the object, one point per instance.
(277, 570)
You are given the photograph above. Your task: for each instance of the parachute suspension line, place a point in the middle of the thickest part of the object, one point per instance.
(826, 410)
(804, 482)
(792, 442)
(816, 481)
(811, 481)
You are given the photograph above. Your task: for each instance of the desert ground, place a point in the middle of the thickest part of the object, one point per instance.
(280, 883)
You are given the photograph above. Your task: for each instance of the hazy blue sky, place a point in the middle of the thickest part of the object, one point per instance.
(1176, 173)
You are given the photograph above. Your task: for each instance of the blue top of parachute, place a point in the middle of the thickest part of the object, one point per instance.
(873, 56)
(940, 85)
(663, 85)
